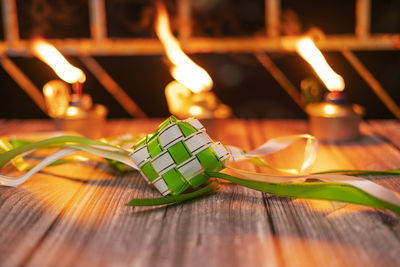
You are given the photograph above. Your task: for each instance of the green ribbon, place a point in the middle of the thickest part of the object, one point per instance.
(5, 157)
(340, 192)
(175, 199)
(18, 162)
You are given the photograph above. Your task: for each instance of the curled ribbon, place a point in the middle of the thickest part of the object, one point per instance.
(180, 154)
(278, 144)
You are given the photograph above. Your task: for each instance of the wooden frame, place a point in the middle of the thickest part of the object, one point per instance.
(100, 45)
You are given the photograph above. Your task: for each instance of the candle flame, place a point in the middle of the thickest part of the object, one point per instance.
(330, 109)
(51, 56)
(184, 70)
(309, 51)
(72, 111)
(195, 110)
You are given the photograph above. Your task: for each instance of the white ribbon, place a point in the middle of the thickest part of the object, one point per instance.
(103, 151)
(15, 181)
(277, 144)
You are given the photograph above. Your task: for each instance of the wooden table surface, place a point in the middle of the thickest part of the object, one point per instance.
(74, 214)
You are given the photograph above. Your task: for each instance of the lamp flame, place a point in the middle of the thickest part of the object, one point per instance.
(51, 56)
(184, 70)
(309, 51)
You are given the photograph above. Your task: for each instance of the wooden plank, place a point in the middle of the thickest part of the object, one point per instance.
(388, 131)
(3, 128)
(10, 22)
(314, 232)
(272, 17)
(24, 82)
(98, 24)
(281, 78)
(126, 102)
(185, 23)
(209, 231)
(373, 83)
(17, 126)
(81, 221)
(363, 18)
(193, 45)
(29, 211)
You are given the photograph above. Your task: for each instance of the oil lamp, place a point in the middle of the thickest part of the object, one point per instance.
(333, 119)
(190, 94)
(71, 111)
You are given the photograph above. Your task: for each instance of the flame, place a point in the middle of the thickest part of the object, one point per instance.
(72, 111)
(184, 70)
(309, 51)
(330, 109)
(50, 55)
(195, 110)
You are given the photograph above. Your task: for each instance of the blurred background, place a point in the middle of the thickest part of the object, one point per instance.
(240, 80)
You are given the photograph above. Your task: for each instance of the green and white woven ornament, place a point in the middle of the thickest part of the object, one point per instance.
(178, 156)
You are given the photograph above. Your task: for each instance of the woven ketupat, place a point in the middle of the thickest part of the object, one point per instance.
(177, 156)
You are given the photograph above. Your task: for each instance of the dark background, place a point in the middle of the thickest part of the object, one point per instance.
(239, 79)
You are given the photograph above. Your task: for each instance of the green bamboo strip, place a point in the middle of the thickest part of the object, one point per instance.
(175, 199)
(60, 140)
(313, 190)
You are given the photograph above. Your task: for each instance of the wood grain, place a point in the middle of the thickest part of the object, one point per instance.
(387, 130)
(74, 215)
(318, 231)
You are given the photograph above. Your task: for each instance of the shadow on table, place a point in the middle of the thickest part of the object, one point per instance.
(363, 140)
